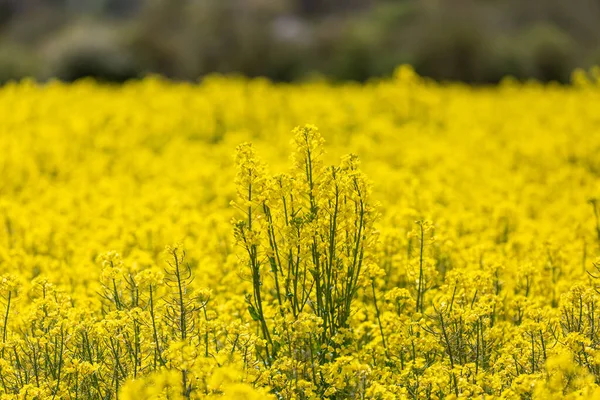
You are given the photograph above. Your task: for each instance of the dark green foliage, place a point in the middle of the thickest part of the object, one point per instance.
(475, 41)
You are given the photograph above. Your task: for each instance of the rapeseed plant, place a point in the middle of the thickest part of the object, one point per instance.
(459, 258)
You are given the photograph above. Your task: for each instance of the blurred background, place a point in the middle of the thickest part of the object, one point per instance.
(477, 41)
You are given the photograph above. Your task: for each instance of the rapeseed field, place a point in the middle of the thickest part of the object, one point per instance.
(248, 240)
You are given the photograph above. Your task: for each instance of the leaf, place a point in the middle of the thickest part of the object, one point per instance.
(253, 313)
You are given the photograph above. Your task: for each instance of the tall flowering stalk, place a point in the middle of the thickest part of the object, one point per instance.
(307, 237)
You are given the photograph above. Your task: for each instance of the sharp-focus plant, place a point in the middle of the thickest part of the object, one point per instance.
(308, 238)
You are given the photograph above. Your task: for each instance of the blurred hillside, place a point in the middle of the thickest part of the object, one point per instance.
(477, 41)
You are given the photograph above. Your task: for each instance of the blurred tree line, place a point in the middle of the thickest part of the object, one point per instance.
(477, 41)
